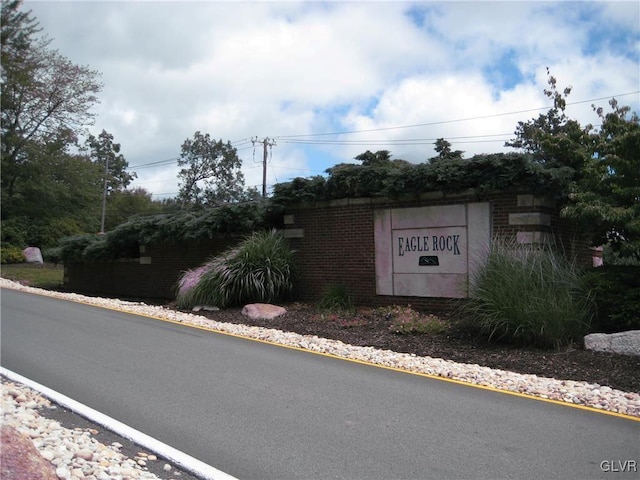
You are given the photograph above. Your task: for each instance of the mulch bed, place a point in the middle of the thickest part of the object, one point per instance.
(370, 329)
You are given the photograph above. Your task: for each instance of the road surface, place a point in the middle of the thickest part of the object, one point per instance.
(256, 410)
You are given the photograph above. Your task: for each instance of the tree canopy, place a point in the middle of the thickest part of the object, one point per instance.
(606, 199)
(211, 172)
(602, 163)
(50, 188)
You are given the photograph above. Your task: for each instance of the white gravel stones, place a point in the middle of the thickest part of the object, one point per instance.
(73, 453)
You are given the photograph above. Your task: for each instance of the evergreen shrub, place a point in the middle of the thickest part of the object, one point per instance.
(616, 295)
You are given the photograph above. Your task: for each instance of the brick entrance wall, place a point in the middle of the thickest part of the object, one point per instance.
(334, 241)
(335, 245)
(153, 275)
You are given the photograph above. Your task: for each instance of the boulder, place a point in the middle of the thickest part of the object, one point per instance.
(623, 343)
(33, 255)
(262, 311)
(20, 459)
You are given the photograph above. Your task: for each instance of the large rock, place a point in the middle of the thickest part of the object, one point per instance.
(33, 255)
(624, 343)
(21, 460)
(262, 311)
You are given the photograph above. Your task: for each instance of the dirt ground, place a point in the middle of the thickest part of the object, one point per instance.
(369, 328)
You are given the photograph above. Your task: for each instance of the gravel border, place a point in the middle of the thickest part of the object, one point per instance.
(76, 447)
(568, 391)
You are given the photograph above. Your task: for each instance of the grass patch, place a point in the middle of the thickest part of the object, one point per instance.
(406, 321)
(48, 275)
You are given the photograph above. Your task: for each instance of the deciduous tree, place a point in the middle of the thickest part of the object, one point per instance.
(602, 163)
(210, 173)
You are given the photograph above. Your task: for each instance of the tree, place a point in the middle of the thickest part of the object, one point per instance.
(125, 204)
(553, 139)
(115, 177)
(106, 153)
(211, 172)
(370, 159)
(58, 194)
(45, 97)
(602, 167)
(606, 201)
(443, 149)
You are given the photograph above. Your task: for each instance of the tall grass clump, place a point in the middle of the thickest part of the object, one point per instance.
(336, 298)
(527, 295)
(258, 270)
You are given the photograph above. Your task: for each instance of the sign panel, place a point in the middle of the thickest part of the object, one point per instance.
(449, 245)
(430, 251)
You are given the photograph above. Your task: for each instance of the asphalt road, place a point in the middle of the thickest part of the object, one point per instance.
(256, 410)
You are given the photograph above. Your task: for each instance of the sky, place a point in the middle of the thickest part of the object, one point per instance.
(325, 81)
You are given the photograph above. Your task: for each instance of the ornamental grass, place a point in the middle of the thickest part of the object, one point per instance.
(258, 270)
(531, 296)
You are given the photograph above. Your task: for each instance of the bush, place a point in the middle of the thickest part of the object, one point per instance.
(72, 248)
(258, 270)
(336, 298)
(11, 254)
(52, 255)
(616, 294)
(529, 296)
(183, 226)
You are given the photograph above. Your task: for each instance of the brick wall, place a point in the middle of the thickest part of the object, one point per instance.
(334, 241)
(334, 244)
(153, 275)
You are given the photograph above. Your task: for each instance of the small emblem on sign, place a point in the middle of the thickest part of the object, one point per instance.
(428, 261)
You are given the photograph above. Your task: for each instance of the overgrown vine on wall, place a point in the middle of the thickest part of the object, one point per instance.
(124, 241)
(391, 179)
(484, 173)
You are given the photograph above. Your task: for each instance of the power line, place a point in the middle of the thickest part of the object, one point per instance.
(443, 122)
(156, 163)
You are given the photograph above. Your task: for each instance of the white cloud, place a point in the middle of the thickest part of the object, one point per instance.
(243, 69)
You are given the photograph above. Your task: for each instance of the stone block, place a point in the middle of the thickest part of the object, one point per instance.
(293, 233)
(623, 343)
(529, 219)
(529, 238)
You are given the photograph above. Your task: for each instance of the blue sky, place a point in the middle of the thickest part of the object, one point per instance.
(397, 75)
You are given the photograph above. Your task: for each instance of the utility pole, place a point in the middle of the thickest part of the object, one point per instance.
(266, 142)
(104, 193)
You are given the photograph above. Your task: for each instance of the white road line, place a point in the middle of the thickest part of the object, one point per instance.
(184, 461)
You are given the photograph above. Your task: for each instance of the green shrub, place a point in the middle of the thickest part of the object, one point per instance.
(72, 248)
(258, 270)
(336, 298)
(183, 226)
(616, 295)
(11, 254)
(52, 255)
(529, 296)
